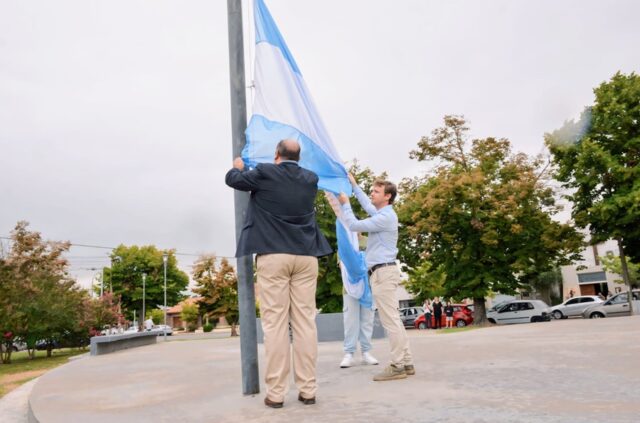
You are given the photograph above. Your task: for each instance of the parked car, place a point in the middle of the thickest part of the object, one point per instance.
(497, 306)
(408, 315)
(462, 316)
(520, 311)
(109, 330)
(616, 306)
(161, 329)
(43, 344)
(574, 306)
(19, 346)
(15, 347)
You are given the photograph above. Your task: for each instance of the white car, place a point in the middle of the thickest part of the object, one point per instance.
(408, 315)
(574, 306)
(161, 329)
(618, 305)
(520, 311)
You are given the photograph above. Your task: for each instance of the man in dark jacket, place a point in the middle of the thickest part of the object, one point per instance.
(280, 227)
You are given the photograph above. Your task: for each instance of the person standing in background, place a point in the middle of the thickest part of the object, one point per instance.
(437, 313)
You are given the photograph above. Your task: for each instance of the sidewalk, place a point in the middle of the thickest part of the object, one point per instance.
(15, 405)
(559, 371)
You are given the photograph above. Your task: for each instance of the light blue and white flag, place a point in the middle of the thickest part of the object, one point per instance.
(283, 109)
(355, 278)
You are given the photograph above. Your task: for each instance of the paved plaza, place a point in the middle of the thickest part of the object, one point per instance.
(560, 371)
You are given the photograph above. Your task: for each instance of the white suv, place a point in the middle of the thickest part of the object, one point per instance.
(574, 306)
(520, 311)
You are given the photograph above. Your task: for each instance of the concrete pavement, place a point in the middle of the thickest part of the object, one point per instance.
(14, 406)
(559, 371)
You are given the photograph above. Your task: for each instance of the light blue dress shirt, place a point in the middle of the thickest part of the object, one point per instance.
(382, 228)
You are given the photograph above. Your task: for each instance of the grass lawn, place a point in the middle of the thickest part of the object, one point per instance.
(22, 370)
(454, 330)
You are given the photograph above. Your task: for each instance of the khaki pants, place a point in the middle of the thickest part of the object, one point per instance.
(384, 282)
(288, 294)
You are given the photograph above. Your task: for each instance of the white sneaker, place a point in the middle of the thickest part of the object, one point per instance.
(369, 359)
(347, 361)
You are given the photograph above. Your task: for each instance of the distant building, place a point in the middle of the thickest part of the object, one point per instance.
(174, 318)
(404, 298)
(588, 277)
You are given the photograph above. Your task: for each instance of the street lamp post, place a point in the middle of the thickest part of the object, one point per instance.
(93, 279)
(114, 260)
(165, 258)
(144, 291)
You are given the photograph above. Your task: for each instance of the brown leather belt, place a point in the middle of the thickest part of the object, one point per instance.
(378, 266)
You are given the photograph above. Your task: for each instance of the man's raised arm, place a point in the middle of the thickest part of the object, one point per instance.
(240, 179)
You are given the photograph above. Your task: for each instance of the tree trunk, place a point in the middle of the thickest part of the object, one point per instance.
(49, 349)
(5, 353)
(479, 312)
(625, 274)
(234, 332)
(31, 352)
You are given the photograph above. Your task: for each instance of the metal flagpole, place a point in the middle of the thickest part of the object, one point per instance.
(246, 294)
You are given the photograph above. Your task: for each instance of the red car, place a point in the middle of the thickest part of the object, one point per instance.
(462, 316)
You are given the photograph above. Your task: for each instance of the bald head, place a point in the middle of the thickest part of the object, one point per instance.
(288, 150)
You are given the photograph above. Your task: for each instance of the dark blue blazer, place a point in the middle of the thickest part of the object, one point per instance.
(281, 215)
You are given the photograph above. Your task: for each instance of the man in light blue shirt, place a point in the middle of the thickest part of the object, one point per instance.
(384, 275)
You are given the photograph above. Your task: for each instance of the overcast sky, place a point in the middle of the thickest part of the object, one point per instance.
(115, 123)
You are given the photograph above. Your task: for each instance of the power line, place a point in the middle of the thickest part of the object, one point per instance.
(113, 248)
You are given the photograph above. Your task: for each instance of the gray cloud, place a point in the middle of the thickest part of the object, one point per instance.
(114, 116)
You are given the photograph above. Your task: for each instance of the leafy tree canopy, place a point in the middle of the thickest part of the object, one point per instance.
(125, 277)
(613, 264)
(597, 159)
(218, 287)
(481, 216)
(38, 299)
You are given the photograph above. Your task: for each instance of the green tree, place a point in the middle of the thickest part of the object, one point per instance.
(482, 217)
(218, 287)
(548, 286)
(125, 277)
(598, 160)
(190, 314)
(329, 290)
(613, 264)
(97, 314)
(38, 299)
(425, 282)
(156, 315)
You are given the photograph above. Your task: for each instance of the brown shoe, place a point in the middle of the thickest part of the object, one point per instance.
(306, 401)
(409, 369)
(391, 372)
(272, 404)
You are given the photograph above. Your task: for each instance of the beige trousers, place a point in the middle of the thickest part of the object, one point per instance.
(384, 282)
(288, 295)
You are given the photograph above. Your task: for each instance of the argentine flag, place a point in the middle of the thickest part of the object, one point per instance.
(283, 109)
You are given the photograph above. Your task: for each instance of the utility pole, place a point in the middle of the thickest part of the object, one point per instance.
(144, 292)
(246, 294)
(625, 275)
(165, 257)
